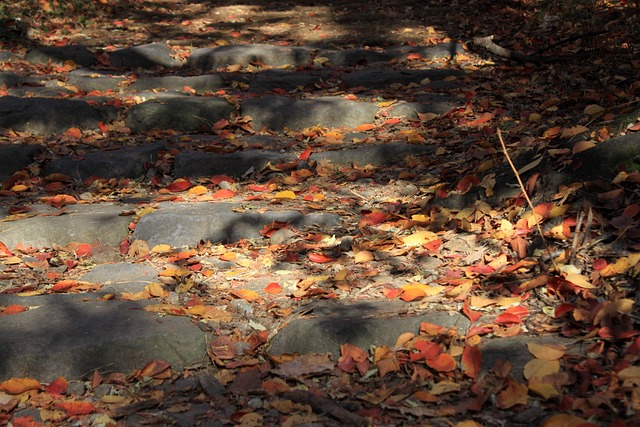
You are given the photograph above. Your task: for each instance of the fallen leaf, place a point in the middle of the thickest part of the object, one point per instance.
(19, 385)
(245, 294)
(540, 368)
(546, 351)
(76, 407)
(273, 288)
(514, 394)
(285, 195)
(442, 363)
(471, 361)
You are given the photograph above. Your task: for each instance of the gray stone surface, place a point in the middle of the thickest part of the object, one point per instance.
(196, 163)
(144, 56)
(59, 54)
(201, 84)
(352, 57)
(362, 324)
(61, 337)
(88, 80)
(80, 223)
(15, 157)
(441, 50)
(123, 163)
(285, 80)
(216, 222)
(278, 113)
(378, 78)
(438, 104)
(223, 56)
(122, 277)
(9, 79)
(51, 116)
(377, 155)
(187, 114)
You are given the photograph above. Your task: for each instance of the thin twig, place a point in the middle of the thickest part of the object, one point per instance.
(526, 196)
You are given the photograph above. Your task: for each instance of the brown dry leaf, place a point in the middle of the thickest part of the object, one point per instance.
(19, 385)
(364, 256)
(563, 420)
(385, 360)
(543, 386)
(445, 387)
(514, 394)
(540, 368)
(579, 280)
(305, 365)
(613, 308)
(156, 289)
(546, 351)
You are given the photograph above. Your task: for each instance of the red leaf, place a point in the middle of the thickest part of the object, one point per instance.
(507, 319)
(58, 386)
(481, 120)
(83, 250)
(320, 258)
(373, 218)
(179, 185)
(103, 128)
(467, 182)
(471, 314)
(471, 361)
(258, 188)
(64, 285)
(13, 309)
(563, 309)
(599, 264)
(305, 154)
(217, 179)
(391, 293)
(365, 127)
(224, 193)
(631, 210)
(442, 363)
(220, 124)
(427, 350)
(413, 56)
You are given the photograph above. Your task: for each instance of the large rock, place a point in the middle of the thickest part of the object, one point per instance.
(285, 80)
(197, 163)
(186, 224)
(123, 163)
(223, 56)
(73, 335)
(59, 54)
(51, 116)
(15, 157)
(201, 84)
(186, 114)
(144, 56)
(80, 223)
(378, 78)
(278, 113)
(122, 277)
(362, 324)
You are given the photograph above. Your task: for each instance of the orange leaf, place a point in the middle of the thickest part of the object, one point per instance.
(76, 408)
(442, 363)
(411, 293)
(103, 128)
(546, 351)
(373, 218)
(4, 251)
(154, 368)
(471, 361)
(365, 127)
(224, 193)
(391, 293)
(514, 394)
(64, 285)
(563, 420)
(273, 288)
(19, 385)
(245, 294)
(507, 318)
(471, 314)
(413, 56)
(467, 182)
(74, 133)
(320, 258)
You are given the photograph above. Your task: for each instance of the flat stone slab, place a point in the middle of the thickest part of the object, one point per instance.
(60, 336)
(201, 84)
(80, 55)
(51, 116)
(180, 113)
(185, 224)
(377, 78)
(438, 104)
(87, 80)
(376, 155)
(245, 54)
(123, 163)
(196, 163)
(278, 113)
(353, 57)
(144, 56)
(122, 277)
(15, 157)
(285, 80)
(80, 223)
(362, 324)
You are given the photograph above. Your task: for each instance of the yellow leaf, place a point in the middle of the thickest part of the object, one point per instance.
(341, 275)
(364, 256)
(535, 117)
(19, 385)
(198, 190)
(156, 289)
(579, 280)
(419, 238)
(540, 368)
(546, 351)
(582, 146)
(161, 249)
(285, 195)
(246, 294)
(420, 218)
(543, 387)
(385, 104)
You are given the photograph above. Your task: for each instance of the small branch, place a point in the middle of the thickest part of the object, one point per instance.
(569, 40)
(487, 43)
(526, 196)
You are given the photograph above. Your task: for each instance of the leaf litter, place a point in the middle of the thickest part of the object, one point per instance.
(489, 264)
